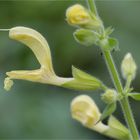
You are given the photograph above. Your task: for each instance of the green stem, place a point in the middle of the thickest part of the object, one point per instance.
(113, 71)
(116, 80)
(124, 102)
(117, 83)
(92, 7)
(128, 83)
(129, 118)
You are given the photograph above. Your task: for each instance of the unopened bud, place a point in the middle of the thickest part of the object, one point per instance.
(77, 15)
(86, 37)
(109, 96)
(128, 66)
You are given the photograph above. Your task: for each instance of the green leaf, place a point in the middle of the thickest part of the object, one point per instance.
(108, 111)
(86, 37)
(135, 96)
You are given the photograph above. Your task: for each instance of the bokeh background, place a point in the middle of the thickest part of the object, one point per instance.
(37, 111)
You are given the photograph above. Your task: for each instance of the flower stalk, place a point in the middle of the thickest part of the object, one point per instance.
(124, 102)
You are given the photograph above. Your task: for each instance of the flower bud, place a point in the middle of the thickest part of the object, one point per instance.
(128, 66)
(109, 96)
(86, 37)
(84, 110)
(77, 15)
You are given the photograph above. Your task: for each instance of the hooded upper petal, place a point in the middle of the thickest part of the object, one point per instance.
(36, 42)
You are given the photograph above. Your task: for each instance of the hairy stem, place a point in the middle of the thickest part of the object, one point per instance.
(124, 102)
(113, 71)
(92, 7)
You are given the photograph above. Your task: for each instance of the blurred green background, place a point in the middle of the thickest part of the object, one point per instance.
(37, 111)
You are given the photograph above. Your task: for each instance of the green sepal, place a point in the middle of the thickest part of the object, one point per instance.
(109, 44)
(110, 108)
(109, 96)
(114, 44)
(117, 129)
(83, 81)
(108, 31)
(135, 96)
(86, 37)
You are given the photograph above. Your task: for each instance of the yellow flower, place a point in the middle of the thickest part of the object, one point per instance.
(85, 110)
(45, 74)
(38, 44)
(77, 14)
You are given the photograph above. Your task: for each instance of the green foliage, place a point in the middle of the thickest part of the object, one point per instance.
(135, 96)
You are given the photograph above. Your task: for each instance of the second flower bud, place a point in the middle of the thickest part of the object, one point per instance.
(77, 15)
(109, 96)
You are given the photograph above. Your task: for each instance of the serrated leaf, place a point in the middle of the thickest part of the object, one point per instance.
(86, 37)
(135, 96)
(108, 111)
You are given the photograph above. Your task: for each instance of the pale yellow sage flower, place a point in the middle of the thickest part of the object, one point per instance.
(85, 110)
(77, 15)
(38, 44)
(45, 74)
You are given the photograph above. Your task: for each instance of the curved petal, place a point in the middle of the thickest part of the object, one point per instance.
(36, 42)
